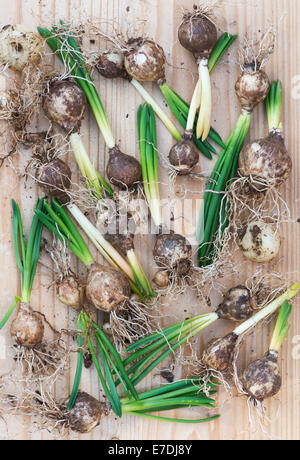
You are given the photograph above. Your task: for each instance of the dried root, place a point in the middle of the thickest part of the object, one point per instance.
(264, 288)
(245, 192)
(251, 200)
(255, 52)
(19, 104)
(132, 322)
(44, 362)
(29, 388)
(37, 402)
(257, 416)
(205, 9)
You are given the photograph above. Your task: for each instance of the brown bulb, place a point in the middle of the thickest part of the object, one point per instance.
(123, 170)
(65, 104)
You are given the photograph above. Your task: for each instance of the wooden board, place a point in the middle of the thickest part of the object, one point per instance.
(162, 19)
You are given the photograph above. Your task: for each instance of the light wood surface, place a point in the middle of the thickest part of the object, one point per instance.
(162, 19)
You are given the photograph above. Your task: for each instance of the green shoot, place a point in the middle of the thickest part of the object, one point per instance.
(111, 371)
(26, 255)
(9, 312)
(180, 108)
(174, 420)
(159, 112)
(140, 277)
(222, 45)
(107, 362)
(94, 180)
(281, 327)
(58, 222)
(268, 310)
(79, 366)
(148, 352)
(213, 213)
(181, 394)
(56, 219)
(149, 160)
(274, 106)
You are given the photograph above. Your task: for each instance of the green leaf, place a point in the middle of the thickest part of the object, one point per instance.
(18, 237)
(174, 420)
(110, 380)
(79, 367)
(9, 313)
(118, 360)
(102, 379)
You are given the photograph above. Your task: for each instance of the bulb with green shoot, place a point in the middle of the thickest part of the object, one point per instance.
(172, 251)
(64, 103)
(57, 102)
(108, 289)
(261, 379)
(27, 329)
(266, 162)
(88, 412)
(252, 87)
(123, 241)
(148, 352)
(198, 34)
(69, 288)
(122, 170)
(219, 354)
(112, 373)
(183, 156)
(144, 60)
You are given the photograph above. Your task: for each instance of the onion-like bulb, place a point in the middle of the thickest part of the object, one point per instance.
(219, 354)
(145, 61)
(259, 241)
(86, 413)
(237, 305)
(252, 88)
(123, 170)
(261, 379)
(110, 64)
(64, 104)
(27, 329)
(198, 34)
(70, 292)
(161, 279)
(55, 178)
(107, 289)
(173, 252)
(184, 155)
(266, 160)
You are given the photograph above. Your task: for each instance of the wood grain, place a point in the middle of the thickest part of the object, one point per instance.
(120, 99)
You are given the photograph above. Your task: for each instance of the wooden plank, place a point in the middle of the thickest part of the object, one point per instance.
(121, 101)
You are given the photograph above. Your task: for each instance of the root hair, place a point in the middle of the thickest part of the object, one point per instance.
(255, 52)
(132, 322)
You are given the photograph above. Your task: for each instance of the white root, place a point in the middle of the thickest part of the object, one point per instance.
(255, 52)
(204, 119)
